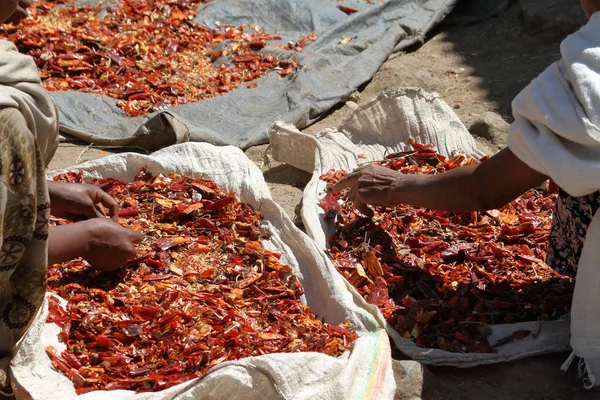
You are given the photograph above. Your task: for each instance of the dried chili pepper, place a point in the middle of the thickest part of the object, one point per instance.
(449, 276)
(297, 46)
(347, 10)
(202, 290)
(148, 54)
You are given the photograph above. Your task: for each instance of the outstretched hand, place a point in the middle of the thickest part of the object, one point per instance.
(76, 201)
(370, 185)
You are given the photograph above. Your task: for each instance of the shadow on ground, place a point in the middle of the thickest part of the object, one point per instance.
(537, 378)
(507, 51)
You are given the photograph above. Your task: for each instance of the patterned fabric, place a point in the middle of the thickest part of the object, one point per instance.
(24, 214)
(570, 222)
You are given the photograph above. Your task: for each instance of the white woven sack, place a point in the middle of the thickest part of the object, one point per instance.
(363, 372)
(380, 127)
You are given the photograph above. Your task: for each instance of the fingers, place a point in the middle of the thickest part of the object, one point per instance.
(101, 211)
(347, 182)
(113, 207)
(352, 178)
(354, 196)
(364, 209)
(351, 181)
(353, 193)
(129, 238)
(135, 236)
(126, 234)
(131, 254)
(110, 203)
(92, 210)
(88, 212)
(100, 197)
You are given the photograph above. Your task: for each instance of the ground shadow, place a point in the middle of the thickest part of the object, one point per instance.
(537, 378)
(515, 49)
(288, 175)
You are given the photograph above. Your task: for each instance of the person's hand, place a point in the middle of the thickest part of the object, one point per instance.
(102, 242)
(371, 185)
(75, 201)
(20, 11)
(109, 245)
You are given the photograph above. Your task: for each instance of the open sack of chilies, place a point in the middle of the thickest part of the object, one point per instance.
(455, 289)
(213, 314)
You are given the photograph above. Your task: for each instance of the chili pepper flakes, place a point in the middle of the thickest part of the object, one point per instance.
(441, 279)
(202, 290)
(148, 54)
(300, 44)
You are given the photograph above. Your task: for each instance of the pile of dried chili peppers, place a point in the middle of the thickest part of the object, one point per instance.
(147, 54)
(203, 290)
(441, 279)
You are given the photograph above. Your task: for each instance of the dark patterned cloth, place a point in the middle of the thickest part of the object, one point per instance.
(570, 223)
(24, 214)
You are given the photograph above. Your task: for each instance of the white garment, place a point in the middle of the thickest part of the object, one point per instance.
(20, 87)
(557, 132)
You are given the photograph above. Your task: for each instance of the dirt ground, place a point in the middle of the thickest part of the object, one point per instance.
(476, 69)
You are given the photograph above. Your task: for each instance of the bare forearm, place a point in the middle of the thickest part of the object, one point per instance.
(454, 190)
(66, 242)
(484, 186)
(53, 189)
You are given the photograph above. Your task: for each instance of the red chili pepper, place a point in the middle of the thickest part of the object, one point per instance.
(347, 10)
(71, 359)
(128, 212)
(156, 277)
(167, 243)
(219, 204)
(456, 250)
(330, 205)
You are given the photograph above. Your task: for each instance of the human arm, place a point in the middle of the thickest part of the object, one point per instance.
(484, 186)
(103, 243)
(75, 200)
